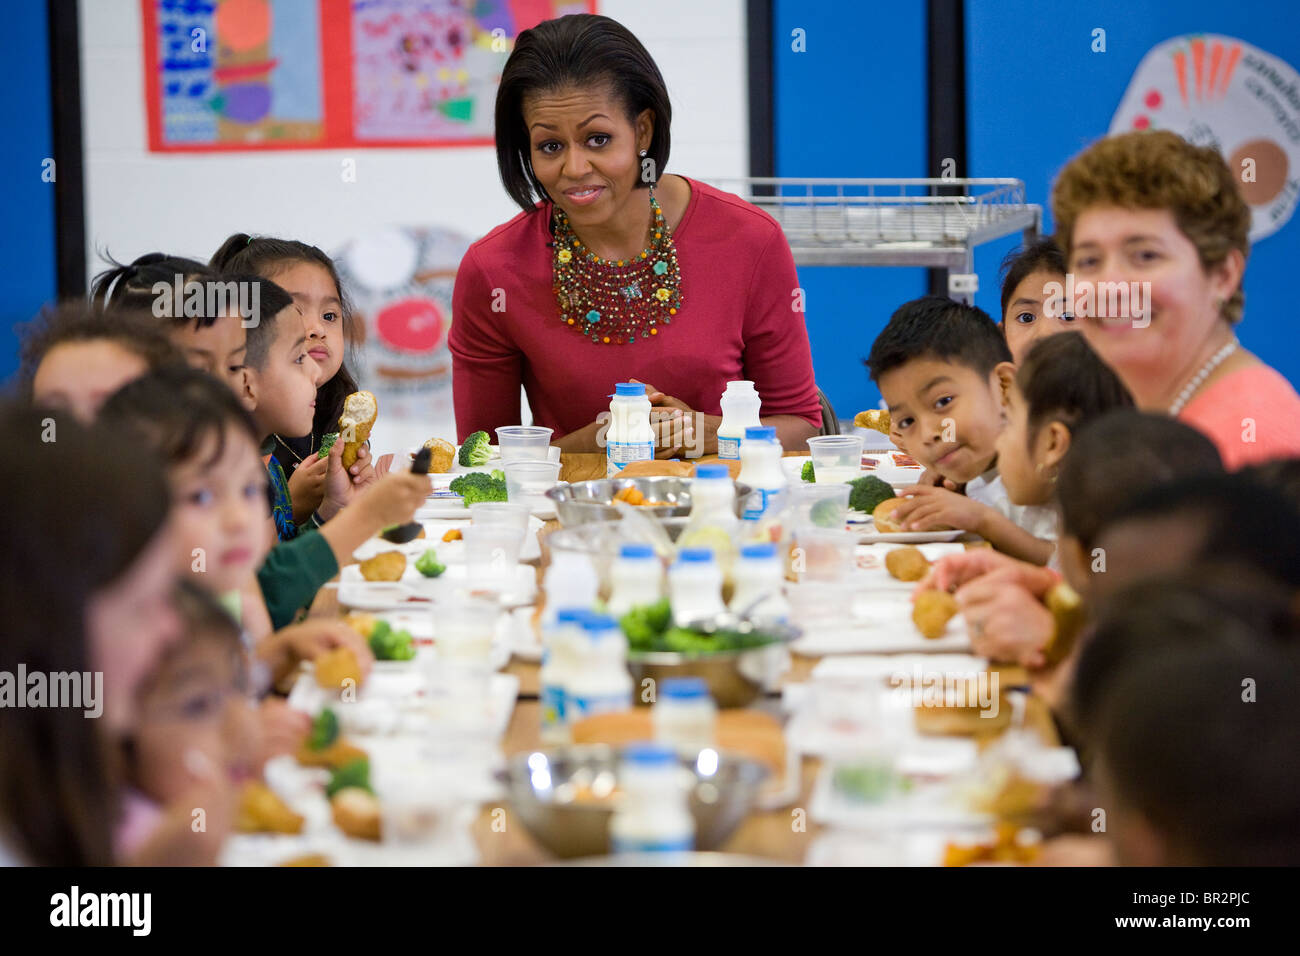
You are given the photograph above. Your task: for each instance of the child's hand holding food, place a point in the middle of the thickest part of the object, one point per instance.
(362, 472)
(1006, 621)
(307, 486)
(954, 570)
(394, 498)
(928, 508)
(314, 637)
(338, 483)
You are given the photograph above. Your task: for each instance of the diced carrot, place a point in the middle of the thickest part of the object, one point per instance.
(452, 535)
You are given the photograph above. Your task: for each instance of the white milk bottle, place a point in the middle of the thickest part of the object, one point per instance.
(713, 522)
(695, 586)
(760, 468)
(653, 816)
(685, 716)
(600, 682)
(759, 574)
(629, 436)
(558, 660)
(636, 578)
(740, 406)
(570, 581)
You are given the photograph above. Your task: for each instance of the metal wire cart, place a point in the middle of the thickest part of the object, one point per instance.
(933, 223)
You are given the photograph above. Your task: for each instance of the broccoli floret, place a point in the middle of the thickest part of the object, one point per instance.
(808, 474)
(686, 641)
(475, 451)
(478, 486)
(868, 492)
(498, 474)
(355, 773)
(326, 443)
(429, 565)
(644, 625)
(324, 730)
(825, 514)
(390, 645)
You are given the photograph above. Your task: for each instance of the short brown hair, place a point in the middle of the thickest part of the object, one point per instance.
(1157, 169)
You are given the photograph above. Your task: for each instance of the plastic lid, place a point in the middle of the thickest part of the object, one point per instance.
(759, 551)
(712, 471)
(635, 549)
(598, 622)
(650, 755)
(629, 388)
(695, 555)
(685, 688)
(760, 432)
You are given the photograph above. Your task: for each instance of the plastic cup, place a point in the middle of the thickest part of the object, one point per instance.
(499, 514)
(492, 550)
(463, 632)
(836, 458)
(825, 554)
(821, 505)
(523, 441)
(528, 480)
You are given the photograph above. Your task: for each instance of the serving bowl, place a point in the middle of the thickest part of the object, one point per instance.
(565, 796)
(735, 678)
(583, 502)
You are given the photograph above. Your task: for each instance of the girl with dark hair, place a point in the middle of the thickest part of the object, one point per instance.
(614, 270)
(1031, 308)
(309, 275)
(89, 590)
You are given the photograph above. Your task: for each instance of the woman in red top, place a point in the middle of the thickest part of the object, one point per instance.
(617, 273)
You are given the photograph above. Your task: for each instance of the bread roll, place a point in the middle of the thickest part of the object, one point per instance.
(442, 457)
(875, 418)
(356, 813)
(360, 409)
(883, 518)
(652, 468)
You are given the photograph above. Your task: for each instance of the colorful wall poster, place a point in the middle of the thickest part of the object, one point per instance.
(265, 74)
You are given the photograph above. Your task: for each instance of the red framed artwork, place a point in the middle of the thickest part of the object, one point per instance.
(229, 75)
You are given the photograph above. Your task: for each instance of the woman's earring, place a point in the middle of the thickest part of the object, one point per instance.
(644, 153)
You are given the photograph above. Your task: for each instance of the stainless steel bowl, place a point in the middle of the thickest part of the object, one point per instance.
(545, 787)
(585, 501)
(735, 678)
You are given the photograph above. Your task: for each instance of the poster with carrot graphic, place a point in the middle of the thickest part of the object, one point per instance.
(1223, 92)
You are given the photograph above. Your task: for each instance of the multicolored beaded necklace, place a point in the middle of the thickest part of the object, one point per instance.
(615, 301)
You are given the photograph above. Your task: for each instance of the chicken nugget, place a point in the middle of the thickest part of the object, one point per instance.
(262, 811)
(875, 418)
(907, 563)
(385, 566)
(931, 612)
(356, 812)
(336, 666)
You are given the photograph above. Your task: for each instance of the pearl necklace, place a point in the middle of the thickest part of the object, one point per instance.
(1199, 378)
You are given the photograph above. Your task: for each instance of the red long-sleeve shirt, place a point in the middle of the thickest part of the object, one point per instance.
(737, 321)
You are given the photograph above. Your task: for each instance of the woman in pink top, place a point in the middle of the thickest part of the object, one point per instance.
(618, 273)
(1155, 232)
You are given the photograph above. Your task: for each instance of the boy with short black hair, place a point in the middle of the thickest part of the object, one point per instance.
(943, 368)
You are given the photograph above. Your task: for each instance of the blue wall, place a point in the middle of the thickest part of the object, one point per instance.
(1037, 94)
(854, 105)
(27, 244)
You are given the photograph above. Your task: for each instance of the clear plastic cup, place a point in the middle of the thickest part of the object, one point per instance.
(836, 458)
(523, 441)
(820, 505)
(528, 480)
(824, 554)
(463, 632)
(492, 550)
(499, 514)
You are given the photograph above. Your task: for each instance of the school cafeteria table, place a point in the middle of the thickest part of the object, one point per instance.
(772, 834)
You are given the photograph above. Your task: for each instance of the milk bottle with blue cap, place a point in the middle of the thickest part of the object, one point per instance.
(654, 815)
(636, 578)
(629, 437)
(760, 468)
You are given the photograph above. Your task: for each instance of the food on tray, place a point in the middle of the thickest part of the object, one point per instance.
(931, 612)
(309, 859)
(475, 450)
(324, 747)
(360, 409)
(453, 535)
(649, 627)
(442, 455)
(262, 811)
(480, 486)
(388, 644)
(363, 624)
(907, 563)
(327, 444)
(634, 496)
(356, 812)
(335, 667)
(653, 468)
(748, 733)
(868, 492)
(354, 773)
(874, 418)
(808, 473)
(904, 461)
(883, 516)
(1068, 616)
(385, 566)
(966, 706)
(1009, 845)
(429, 565)
(868, 781)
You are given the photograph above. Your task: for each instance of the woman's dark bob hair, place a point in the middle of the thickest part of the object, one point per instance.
(586, 51)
